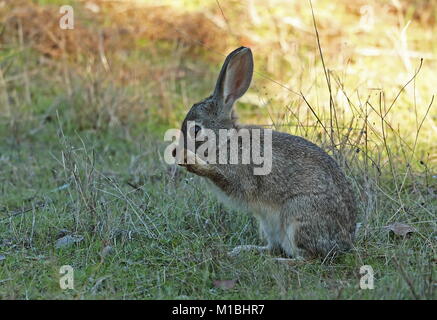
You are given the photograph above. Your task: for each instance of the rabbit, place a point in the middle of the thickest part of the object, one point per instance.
(305, 206)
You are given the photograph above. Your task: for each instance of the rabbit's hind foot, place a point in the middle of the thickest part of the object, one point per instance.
(236, 251)
(291, 261)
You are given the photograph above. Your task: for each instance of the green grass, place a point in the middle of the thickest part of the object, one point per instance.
(169, 237)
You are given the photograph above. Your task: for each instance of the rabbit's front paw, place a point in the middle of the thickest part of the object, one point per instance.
(191, 159)
(195, 164)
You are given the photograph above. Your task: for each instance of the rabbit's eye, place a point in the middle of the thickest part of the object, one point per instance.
(196, 130)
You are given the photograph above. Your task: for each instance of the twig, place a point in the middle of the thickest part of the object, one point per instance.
(23, 211)
(332, 110)
(407, 280)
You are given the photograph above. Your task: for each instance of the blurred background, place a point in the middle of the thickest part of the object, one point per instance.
(148, 61)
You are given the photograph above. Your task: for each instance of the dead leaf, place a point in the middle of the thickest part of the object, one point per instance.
(400, 229)
(67, 241)
(225, 284)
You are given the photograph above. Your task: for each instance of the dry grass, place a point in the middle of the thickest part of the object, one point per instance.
(371, 50)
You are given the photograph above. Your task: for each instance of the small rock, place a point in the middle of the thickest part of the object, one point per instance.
(67, 241)
(224, 284)
(62, 233)
(106, 251)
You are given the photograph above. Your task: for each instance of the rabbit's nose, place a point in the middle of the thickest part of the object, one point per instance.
(178, 155)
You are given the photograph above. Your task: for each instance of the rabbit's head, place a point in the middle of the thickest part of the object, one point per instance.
(215, 112)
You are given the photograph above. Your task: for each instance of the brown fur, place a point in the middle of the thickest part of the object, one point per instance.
(305, 206)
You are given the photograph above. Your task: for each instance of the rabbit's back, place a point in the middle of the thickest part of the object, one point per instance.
(298, 167)
(301, 167)
(310, 170)
(305, 196)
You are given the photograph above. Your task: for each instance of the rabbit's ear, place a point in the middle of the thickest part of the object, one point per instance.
(234, 78)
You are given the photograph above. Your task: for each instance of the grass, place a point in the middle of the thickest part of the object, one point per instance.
(169, 237)
(82, 155)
